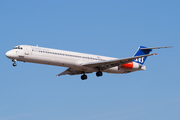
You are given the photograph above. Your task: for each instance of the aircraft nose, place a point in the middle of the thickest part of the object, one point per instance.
(9, 54)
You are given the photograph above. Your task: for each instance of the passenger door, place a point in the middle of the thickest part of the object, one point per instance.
(27, 50)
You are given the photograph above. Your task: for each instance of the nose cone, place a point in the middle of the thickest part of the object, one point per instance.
(9, 54)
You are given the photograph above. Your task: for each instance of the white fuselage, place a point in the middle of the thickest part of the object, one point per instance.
(62, 58)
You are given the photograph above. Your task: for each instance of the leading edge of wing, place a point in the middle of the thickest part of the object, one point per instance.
(116, 62)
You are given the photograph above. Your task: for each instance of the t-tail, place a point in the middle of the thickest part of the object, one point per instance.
(140, 52)
(143, 51)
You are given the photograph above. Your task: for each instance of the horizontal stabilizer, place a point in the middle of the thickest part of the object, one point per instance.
(155, 48)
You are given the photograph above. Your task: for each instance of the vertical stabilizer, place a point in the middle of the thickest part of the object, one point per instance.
(141, 52)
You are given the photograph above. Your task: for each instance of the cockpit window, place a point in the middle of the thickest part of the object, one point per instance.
(18, 47)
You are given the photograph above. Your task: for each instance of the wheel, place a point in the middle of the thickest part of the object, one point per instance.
(14, 64)
(99, 73)
(84, 77)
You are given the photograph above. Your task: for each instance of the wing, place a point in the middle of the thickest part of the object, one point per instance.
(112, 63)
(72, 71)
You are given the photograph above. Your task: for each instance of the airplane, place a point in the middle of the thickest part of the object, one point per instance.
(81, 63)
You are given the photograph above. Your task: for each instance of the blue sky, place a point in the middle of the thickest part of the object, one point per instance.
(113, 28)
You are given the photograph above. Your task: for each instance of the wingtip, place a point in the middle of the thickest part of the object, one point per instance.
(168, 46)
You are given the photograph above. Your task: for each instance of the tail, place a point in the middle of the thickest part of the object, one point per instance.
(142, 51)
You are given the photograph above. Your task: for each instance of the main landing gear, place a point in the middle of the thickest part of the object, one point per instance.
(84, 77)
(98, 74)
(14, 64)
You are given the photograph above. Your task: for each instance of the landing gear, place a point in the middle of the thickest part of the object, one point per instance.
(14, 64)
(99, 73)
(84, 77)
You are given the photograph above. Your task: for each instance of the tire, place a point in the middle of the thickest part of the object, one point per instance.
(84, 77)
(99, 73)
(14, 64)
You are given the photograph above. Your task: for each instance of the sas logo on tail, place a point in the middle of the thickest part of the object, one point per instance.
(140, 60)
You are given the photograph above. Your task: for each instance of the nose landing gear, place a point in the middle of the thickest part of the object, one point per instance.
(14, 64)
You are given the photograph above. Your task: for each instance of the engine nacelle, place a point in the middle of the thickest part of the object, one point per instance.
(132, 65)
